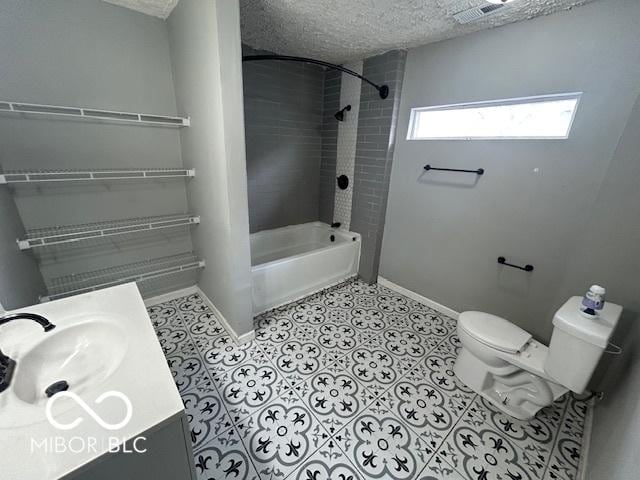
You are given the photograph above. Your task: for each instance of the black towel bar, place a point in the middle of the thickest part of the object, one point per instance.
(479, 171)
(526, 268)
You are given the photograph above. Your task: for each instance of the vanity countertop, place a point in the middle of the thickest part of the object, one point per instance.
(105, 343)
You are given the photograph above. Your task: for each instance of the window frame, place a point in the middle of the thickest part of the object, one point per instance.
(489, 103)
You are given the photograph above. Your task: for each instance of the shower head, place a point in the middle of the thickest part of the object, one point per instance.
(340, 114)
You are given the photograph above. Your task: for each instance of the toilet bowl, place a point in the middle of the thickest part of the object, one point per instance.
(519, 375)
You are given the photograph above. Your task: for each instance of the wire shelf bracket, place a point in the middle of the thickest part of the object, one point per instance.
(140, 272)
(11, 177)
(77, 233)
(9, 106)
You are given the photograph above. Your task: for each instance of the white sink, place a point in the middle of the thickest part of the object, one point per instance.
(103, 343)
(83, 355)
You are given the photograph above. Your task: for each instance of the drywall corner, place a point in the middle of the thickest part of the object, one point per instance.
(204, 38)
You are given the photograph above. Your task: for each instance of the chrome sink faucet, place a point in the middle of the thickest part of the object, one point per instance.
(7, 364)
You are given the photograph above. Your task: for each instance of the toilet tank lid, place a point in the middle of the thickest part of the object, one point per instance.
(595, 331)
(494, 331)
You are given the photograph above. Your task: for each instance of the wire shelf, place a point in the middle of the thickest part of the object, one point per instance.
(36, 176)
(134, 272)
(94, 114)
(43, 237)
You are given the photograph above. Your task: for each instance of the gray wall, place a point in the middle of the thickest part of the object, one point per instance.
(20, 279)
(90, 53)
(375, 142)
(206, 60)
(444, 231)
(609, 250)
(283, 117)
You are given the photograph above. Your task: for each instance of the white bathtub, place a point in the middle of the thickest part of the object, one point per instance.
(292, 262)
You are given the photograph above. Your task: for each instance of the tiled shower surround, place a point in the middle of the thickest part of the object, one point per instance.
(352, 383)
(283, 105)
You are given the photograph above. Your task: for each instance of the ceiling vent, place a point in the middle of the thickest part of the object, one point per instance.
(477, 13)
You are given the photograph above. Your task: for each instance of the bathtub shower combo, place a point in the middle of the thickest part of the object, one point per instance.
(289, 263)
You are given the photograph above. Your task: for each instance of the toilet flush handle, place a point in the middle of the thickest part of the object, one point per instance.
(613, 349)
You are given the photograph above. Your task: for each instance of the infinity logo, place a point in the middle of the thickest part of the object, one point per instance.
(89, 410)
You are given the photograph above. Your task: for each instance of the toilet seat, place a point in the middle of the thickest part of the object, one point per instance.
(493, 331)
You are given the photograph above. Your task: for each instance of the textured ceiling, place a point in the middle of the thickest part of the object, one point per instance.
(340, 30)
(155, 8)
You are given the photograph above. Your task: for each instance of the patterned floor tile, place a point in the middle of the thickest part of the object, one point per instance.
(165, 314)
(352, 383)
(428, 323)
(298, 359)
(203, 324)
(174, 339)
(381, 446)
(188, 371)
(365, 295)
(438, 469)
(451, 345)
(566, 453)
(437, 367)
(536, 436)
(575, 415)
(250, 386)
(366, 301)
(280, 436)
(368, 320)
(334, 397)
(374, 367)
(338, 300)
(407, 344)
(327, 463)
(429, 412)
(206, 414)
(224, 457)
(390, 302)
(192, 303)
(361, 289)
(277, 329)
(222, 353)
(313, 314)
(340, 339)
(478, 451)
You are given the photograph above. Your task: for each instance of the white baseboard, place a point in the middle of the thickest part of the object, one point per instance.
(166, 297)
(419, 298)
(239, 339)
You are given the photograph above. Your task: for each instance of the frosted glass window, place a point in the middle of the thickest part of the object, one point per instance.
(543, 117)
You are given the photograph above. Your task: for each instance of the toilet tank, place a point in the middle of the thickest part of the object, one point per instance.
(577, 343)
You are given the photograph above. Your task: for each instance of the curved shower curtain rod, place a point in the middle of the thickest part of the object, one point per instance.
(383, 90)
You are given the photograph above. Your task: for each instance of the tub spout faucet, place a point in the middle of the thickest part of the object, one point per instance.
(335, 225)
(7, 364)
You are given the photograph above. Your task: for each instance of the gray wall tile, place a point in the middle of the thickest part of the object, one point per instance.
(283, 104)
(374, 155)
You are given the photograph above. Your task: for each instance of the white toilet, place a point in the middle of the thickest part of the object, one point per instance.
(520, 375)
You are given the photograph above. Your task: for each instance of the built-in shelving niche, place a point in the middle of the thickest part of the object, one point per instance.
(41, 238)
(94, 114)
(68, 285)
(40, 176)
(44, 237)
